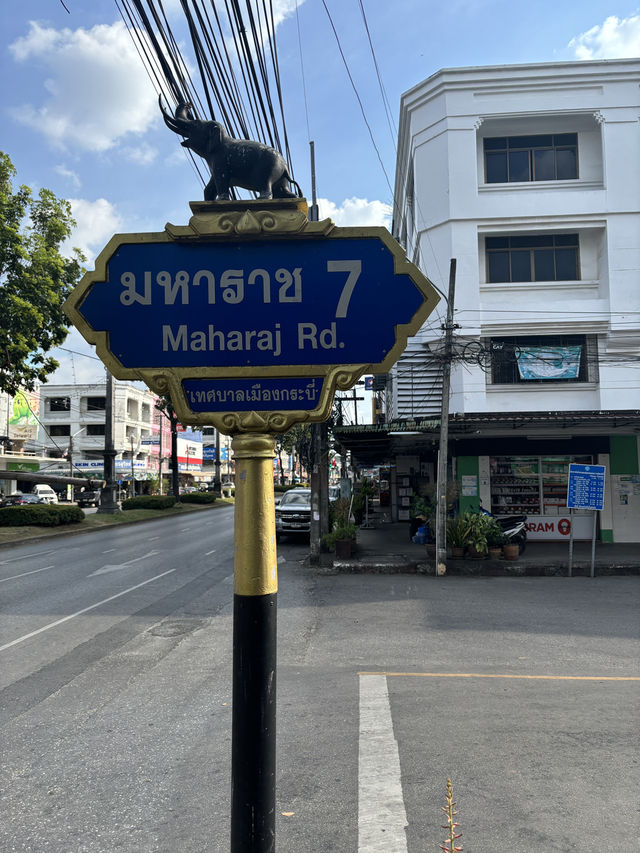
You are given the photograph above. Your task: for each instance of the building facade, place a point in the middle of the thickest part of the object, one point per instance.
(72, 428)
(529, 176)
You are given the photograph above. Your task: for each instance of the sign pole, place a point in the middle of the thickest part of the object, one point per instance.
(253, 738)
(593, 544)
(570, 541)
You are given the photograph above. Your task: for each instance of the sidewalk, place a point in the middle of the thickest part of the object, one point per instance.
(386, 548)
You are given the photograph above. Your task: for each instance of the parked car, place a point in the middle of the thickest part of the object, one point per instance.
(89, 497)
(19, 499)
(293, 513)
(45, 492)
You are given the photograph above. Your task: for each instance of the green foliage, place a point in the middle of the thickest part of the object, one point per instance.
(479, 526)
(343, 531)
(284, 488)
(340, 524)
(198, 498)
(150, 502)
(35, 279)
(458, 531)
(44, 515)
(495, 536)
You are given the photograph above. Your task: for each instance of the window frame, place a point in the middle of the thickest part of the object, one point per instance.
(516, 246)
(587, 373)
(59, 405)
(559, 143)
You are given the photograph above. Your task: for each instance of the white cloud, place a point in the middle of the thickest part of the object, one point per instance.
(72, 176)
(616, 38)
(96, 222)
(356, 211)
(143, 154)
(98, 89)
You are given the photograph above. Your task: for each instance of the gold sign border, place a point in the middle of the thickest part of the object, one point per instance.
(250, 221)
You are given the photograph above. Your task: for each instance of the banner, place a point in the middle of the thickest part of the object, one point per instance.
(549, 362)
(23, 416)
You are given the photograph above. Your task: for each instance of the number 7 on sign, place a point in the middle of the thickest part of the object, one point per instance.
(354, 268)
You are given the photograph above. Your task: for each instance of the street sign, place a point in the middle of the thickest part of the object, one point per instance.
(255, 318)
(586, 486)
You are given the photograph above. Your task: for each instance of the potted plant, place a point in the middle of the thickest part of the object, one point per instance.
(511, 550)
(457, 535)
(495, 540)
(478, 528)
(341, 539)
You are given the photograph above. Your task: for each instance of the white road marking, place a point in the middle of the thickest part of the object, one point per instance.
(80, 612)
(117, 567)
(210, 552)
(381, 813)
(152, 538)
(182, 529)
(109, 550)
(26, 556)
(33, 572)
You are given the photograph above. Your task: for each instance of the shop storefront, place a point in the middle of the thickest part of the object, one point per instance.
(536, 486)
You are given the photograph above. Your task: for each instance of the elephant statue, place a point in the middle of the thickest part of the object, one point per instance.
(232, 162)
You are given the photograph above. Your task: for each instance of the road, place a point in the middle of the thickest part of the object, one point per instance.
(115, 692)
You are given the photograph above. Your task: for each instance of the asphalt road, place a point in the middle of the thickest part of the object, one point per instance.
(115, 694)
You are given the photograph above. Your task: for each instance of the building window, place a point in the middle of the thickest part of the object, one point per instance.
(59, 429)
(96, 404)
(545, 157)
(95, 429)
(545, 257)
(59, 404)
(543, 358)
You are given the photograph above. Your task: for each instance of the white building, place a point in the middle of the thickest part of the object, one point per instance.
(529, 176)
(72, 422)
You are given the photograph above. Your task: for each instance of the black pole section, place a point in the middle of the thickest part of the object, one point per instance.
(253, 752)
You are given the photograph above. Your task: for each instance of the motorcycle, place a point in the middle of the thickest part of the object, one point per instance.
(514, 527)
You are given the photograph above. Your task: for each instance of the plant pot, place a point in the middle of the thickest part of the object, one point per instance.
(495, 553)
(511, 552)
(473, 552)
(343, 548)
(457, 552)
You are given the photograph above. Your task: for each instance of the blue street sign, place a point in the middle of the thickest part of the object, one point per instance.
(209, 453)
(291, 302)
(586, 486)
(245, 395)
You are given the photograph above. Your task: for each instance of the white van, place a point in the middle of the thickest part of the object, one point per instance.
(45, 493)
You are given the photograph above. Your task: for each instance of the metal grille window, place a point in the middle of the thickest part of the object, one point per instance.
(59, 404)
(545, 157)
(545, 257)
(96, 404)
(543, 358)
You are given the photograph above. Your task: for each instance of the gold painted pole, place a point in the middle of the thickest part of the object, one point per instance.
(255, 559)
(253, 739)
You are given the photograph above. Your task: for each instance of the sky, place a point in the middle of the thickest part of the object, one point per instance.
(80, 116)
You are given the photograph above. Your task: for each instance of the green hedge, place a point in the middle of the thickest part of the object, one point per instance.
(286, 488)
(45, 515)
(149, 502)
(198, 498)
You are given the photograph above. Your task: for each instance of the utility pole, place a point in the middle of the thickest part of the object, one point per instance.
(443, 452)
(175, 481)
(108, 500)
(319, 436)
(133, 481)
(217, 482)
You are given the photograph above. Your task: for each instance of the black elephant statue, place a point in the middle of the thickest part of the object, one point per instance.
(232, 162)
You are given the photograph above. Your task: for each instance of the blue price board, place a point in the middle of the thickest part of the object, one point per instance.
(586, 486)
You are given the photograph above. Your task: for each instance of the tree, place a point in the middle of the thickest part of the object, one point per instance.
(35, 279)
(298, 439)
